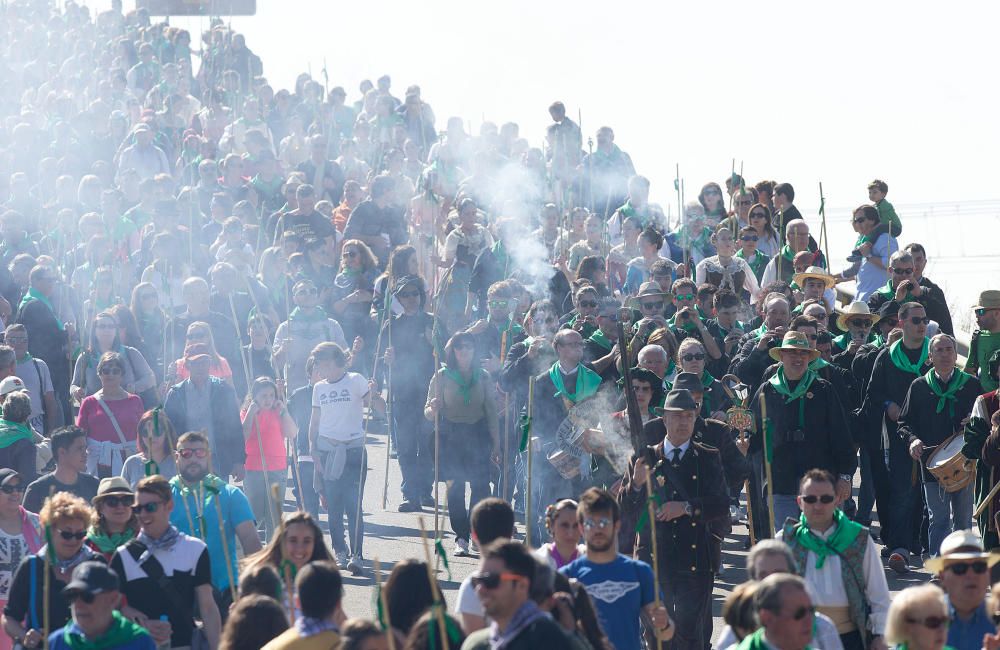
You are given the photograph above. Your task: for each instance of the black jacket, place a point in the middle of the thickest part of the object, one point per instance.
(932, 299)
(227, 444)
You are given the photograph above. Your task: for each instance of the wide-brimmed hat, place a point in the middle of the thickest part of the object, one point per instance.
(817, 273)
(647, 290)
(989, 299)
(794, 341)
(688, 381)
(961, 545)
(112, 485)
(856, 310)
(679, 400)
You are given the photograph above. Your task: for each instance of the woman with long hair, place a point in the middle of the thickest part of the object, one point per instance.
(267, 426)
(353, 291)
(154, 444)
(362, 634)
(461, 397)
(564, 531)
(105, 337)
(408, 595)
(19, 530)
(711, 198)
(594, 270)
(650, 242)
(199, 340)
(768, 241)
(403, 261)
(252, 623)
(116, 524)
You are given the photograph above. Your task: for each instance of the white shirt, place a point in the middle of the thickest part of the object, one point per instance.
(668, 449)
(341, 406)
(826, 585)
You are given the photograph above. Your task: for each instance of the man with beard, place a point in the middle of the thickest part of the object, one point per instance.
(986, 339)
(208, 508)
(623, 589)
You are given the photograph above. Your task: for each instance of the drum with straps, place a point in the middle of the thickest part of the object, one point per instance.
(952, 470)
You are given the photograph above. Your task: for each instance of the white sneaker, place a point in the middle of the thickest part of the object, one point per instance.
(474, 547)
(735, 514)
(341, 558)
(461, 546)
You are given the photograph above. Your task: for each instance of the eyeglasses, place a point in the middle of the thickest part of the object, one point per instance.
(408, 294)
(903, 271)
(113, 371)
(931, 622)
(492, 580)
(749, 238)
(11, 489)
(682, 297)
(85, 596)
(150, 507)
(69, 534)
(649, 306)
(825, 499)
(587, 304)
(802, 612)
(306, 292)
(961, 568)
(919, 320)
(744, 203)
(114, 502)
(600, 524)
(200, 452)
(860, 322)
(697, 356)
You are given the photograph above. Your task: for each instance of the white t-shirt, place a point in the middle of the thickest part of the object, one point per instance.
(468, 602)
(37, 379)
(341, 406)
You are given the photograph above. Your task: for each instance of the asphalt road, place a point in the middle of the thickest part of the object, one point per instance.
(392, 536)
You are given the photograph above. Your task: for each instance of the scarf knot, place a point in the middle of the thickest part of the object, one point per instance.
(843, 536)
(164, 542)
(903, 363)
(947, 394)
(587, 383)
(464, 385)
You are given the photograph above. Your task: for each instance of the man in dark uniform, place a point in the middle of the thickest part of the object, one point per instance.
(902, 287)
(690, 490)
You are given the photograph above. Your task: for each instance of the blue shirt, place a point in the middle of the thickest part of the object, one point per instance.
(871, 278)
(235, 510)
(620, 589)
(57, 642)
(968, 635)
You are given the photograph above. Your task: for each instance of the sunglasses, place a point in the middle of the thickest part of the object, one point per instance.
(744, 203)
(919, 320)
(499, 303)
(351, 254)
(979, 312)
(85, 596)
(749, 238)
(903, 271)
(858, 220)
(651, 305)
(492, 580)
(860, 322)
(69, 534)
(150, 507)
(825, 499)
(889, 322)
(11, 489)
(713, 193)
(613, 317)
(697, 356)
(306, 292)
(201, 452)
(407, 294)
(600, 524)
(588, 304)
(961, 568)
(758, 215)
(681, 297)
(110, 371)
(931, 622)
(114, 502)
(802, 612)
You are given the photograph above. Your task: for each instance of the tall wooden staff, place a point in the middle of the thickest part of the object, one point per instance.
(47, 586)
(384, 618)
(767, 461)
(285, 566)
(438, 606)
(677, 188)
(528, 523)
(225, 545)
(652, 546)
(437, 450)
(822, 214)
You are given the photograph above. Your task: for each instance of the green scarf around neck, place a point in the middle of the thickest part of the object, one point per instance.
(901, 361)
(11, 432)
(706, 378)
(946, 394)
(845, 534)
(35, 294)
(464, 387)
(587, 383)
(788, 253)
(300, 316)
(756, 641)
(818, 364)
(107, 543)
(600, 338)
(121, 632)
(780, 384)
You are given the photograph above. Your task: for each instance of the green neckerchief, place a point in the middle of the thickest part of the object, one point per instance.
(25, 359)
(121, 633)
(759, 332)
(628, 211)
(204, 488)
(759, 262)
(862, 240)
(106, 543)
(464, 387)
(706, 378)
(587, 382)
(600, 338)
(269, 188)
(947, 394)
(818, 364)
(901, 361)
(696, 243)
(688, 325)
(11, 432)
(844, 340)
(300, 316)
(879, 341)
(35, 294)
(845, 534)
(500, 254)
(787, 253)
(756, 641)
(781, 387)
(889, 292)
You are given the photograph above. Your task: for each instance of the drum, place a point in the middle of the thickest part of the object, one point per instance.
(952, 470)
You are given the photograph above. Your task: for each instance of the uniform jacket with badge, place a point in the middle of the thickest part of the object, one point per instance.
(683, 544)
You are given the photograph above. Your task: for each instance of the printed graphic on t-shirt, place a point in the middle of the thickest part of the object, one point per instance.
(610, 590)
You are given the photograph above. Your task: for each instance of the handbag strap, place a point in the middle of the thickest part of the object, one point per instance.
(114, 420)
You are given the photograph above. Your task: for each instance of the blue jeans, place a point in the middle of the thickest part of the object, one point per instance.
(785, 507)
(947, 512)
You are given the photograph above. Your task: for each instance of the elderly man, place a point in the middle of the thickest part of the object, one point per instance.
(963, 571)
(143, 156)
(785, 613)
(986, 339)
(937, 405)
(94, 595)
(902, 286)
(806, 426)
(823, 540)
(797, 240)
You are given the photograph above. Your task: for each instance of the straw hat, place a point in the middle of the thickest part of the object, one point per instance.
(647, 290)
(794, 341)
(961, 545)
(856, 310)
(817, 273)
(989, 299)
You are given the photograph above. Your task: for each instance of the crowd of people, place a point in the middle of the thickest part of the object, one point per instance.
(212, 292)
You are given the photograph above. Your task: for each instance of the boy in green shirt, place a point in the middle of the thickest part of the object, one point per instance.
(888, 221)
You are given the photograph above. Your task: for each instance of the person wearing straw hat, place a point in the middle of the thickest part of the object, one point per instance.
(986, 339)
(816, 282)
(857, 322)
(806, 425)
(937, 404)
(963, 570)
(116, 524)
(982, 442)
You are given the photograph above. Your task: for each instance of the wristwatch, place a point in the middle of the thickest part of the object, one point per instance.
(687, 508)
(846, 477)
